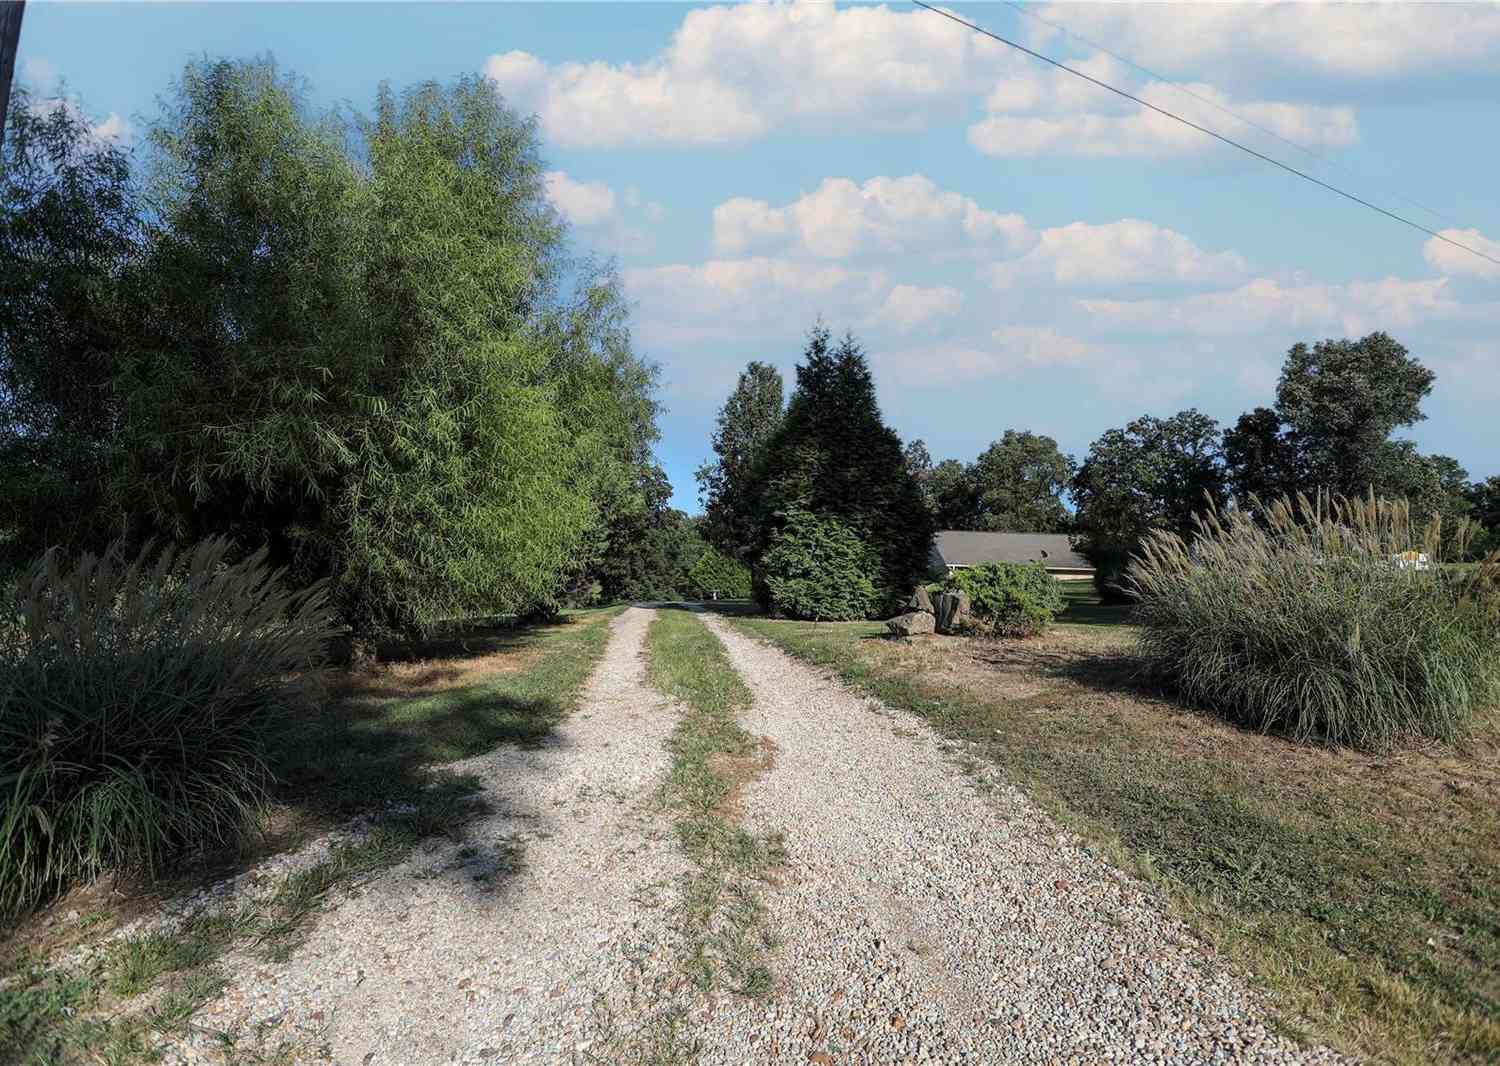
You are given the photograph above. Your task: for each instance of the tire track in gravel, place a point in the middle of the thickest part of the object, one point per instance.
(923, 922)
(543, 937)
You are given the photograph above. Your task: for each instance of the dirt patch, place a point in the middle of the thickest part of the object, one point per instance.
(404, 680)
(737, 771)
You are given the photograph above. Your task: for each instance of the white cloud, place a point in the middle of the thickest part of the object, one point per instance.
(584, 203)
(884, 215)
(1007, 351)
(39, 73)
(909, 306)
(1263, 304)
(1056, 113)
(732, 73)
(1123, 252)
(1344, 39)
(736, 73)
(111, 128)
(653, 211)
(734, 298)
(1457, 261)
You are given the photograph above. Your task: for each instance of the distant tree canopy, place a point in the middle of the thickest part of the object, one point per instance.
(649, 551)
(747, 422)
(833, 457)
(1156, 473)
(1337, 403)
(347, 339)
(1483, 498)
(1017, 485)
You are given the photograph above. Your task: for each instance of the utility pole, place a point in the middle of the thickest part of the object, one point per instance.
(10, 36)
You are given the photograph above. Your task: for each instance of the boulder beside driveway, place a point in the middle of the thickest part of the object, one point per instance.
(952, 611)
(913, 624)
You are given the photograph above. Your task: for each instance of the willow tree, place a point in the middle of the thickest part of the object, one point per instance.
(69, 232)
(353, 342)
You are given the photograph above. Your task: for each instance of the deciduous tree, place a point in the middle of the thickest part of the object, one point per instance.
(1018, 484)
(1153, 474)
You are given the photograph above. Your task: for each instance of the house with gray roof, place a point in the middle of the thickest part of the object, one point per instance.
(953, 549)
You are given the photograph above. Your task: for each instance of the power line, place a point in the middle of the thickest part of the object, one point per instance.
(1267, 130)
(1204, 129)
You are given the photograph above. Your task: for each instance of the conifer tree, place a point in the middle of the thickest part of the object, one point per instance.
(835, 457)
(747, 421)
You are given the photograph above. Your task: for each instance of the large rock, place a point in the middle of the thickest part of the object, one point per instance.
(952, 612)
(920, 601)
(912, 624)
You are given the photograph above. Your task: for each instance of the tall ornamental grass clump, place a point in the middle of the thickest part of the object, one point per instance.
(137, 699)
(1302, 617)
(1009, 599)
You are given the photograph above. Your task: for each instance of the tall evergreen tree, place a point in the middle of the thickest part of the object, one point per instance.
(835, 457)
(747, 421)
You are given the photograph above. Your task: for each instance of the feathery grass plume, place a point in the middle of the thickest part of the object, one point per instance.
(136, 697)
(1318, 619)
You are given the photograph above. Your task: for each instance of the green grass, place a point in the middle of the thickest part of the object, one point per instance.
(376, 746)
(722, 915)
(1363, 892)
(1082, 607)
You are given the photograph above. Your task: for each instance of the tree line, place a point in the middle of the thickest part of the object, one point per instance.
(358, 340)
(779, 469)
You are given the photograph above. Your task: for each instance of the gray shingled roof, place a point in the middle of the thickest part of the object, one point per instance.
(959, 547)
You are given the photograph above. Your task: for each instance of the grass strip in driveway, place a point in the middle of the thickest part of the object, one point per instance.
(1363, 892)
(379, 747)
(712, 756)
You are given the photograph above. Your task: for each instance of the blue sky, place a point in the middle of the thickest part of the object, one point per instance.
(1015, 248)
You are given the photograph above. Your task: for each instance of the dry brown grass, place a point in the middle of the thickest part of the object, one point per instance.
(736, 771)
(1077, 670)
(423, 677)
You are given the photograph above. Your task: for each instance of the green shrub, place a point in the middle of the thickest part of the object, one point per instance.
(1299, 621)
(136, 697)
(819, 569)
(1009, 599)
(716, 572)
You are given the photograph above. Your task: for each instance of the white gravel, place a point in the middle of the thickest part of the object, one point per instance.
(923, 922)
(529, 943)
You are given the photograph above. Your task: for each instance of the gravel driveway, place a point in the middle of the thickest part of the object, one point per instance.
(918, 919)
(923, 922)
(534, 940)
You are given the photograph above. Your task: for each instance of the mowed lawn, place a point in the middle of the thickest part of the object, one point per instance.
(1362, 891)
